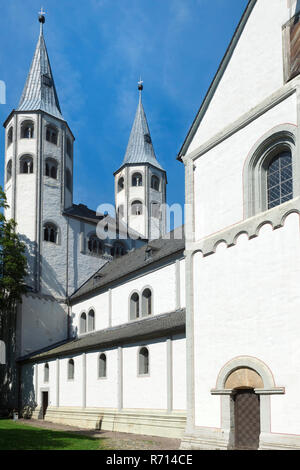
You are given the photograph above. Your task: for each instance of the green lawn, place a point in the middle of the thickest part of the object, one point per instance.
(19, 436)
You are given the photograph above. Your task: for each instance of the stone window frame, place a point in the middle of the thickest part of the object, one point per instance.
(278, 139)
(53, 130)
(91, 309)
(10, 136)
(8, 171)
(120, 184)
(134, 205)
(139, 373)
(155, 179)
(147, 287)
(227, 402)
(53, 163)
(102, 377)
(92, 236)
(29, 158)
(24, 124)
(71, 376)
(81, 323)
(46, 372)
(130, 313)
(58, 233)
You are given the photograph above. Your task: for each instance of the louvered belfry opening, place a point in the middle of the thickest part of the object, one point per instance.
(292, 47)
(246, 419)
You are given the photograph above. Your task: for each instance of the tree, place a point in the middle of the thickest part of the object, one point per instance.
(13, 265)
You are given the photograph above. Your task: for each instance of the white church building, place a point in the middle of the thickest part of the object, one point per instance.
(192, 337)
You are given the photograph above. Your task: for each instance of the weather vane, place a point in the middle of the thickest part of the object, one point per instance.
(140, 84)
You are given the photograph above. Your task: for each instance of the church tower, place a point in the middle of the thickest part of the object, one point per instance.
(140, 183)
(38, 164)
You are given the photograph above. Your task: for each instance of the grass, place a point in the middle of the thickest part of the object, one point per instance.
(19, 436)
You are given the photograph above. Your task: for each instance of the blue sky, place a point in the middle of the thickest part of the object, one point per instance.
(98, 49)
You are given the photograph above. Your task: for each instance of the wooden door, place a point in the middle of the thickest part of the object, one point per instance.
(247, 419)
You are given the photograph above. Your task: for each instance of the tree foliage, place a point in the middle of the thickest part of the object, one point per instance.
(13, 262)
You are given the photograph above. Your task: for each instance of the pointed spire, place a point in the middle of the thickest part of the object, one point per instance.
(39, 92)
(140, 148)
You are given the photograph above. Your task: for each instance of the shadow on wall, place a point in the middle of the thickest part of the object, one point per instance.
(48, 274)
(27, 399)
(8, 371)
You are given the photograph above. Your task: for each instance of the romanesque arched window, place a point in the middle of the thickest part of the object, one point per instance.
(136, 208)
(137, 179)
(280, 179)
(117, 250)
(27, 130)
(71, 369)
(95, 245)
(146, 302)
(51, 168)
(134, 306)
(155, 182)
(8, 170)
(10, 136)
(26, 164)
(91, 320)
(82, 323)
(143, 361)
(52, 135)
(120, 184)
(102, 366)
(50, 233)
(46, 372)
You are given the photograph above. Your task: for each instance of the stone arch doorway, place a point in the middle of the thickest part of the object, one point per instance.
(246, 407)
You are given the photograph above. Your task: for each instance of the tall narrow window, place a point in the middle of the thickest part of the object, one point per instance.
(26, 164)
(143, 361)
(82, 327)
(68, 180)
(71, 369)
(136, 208)
(10, 136)
(120, 184)
(46, 373)
(137, 179)
(155, 183)
(146, 302)
(8, 170)
(280, 179)
(69, 147)
(155, 210)
(102, 365)
(50, 233)
(91, 320)
(134, 306)
(27, 130)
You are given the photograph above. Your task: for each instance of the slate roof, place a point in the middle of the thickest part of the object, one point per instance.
(132, 261)
(154, 327)
(80, 211)
(39, 92)
(140, 148)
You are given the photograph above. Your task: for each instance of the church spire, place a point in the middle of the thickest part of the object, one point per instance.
(39, 93)
(140, 148)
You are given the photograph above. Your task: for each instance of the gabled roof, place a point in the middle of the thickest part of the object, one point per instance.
(135, 260)
(217, 79)
(140, 148)
(39, 92)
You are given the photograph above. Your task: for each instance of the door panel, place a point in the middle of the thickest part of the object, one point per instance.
(247, 419)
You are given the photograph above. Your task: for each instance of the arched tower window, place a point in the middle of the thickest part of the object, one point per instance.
(46, 373)
(120, 184)
(71, 369)
(137, 179)
(68, 180)
(102, 366)
(117, 250)
(10, 136)
(144, 361)
(95, 246)
(50, 233)
(51, 168)
(27, 130)
(146, 302)
(69, 147)
(8, 170)
(136, 208)
(280, 179)
(52, 135)
(26, 164)
(155, 182)
(82, 325)
(134, 306)
(91, 320)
